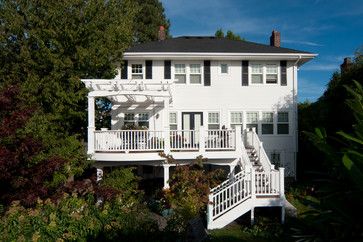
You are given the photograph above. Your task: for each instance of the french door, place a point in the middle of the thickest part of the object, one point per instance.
(192, 121)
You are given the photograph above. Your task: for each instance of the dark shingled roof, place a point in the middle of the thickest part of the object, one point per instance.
(209, 44)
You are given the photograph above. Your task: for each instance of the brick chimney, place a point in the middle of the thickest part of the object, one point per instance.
(346, 64)
(275, 39)
(161, 33)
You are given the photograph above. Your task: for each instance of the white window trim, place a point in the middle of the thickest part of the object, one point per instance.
(263, 73)
(136, 117)
(129, 69)
(187, 72)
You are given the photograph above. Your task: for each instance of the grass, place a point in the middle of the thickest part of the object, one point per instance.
(233, 233)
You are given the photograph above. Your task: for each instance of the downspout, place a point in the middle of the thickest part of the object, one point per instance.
(295, 111)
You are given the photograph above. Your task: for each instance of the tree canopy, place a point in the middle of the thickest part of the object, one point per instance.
(229, 35)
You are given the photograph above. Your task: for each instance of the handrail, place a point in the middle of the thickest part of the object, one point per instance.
(258, 146)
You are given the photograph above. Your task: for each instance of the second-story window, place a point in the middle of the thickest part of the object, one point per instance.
(195, 74)
(271, 74)
(256, 74)
(180, 74)
(136, 71)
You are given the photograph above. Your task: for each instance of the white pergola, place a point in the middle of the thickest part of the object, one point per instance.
(121, 90)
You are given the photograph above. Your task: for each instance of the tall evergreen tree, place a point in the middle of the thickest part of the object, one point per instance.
(229, 35)
(148, 20)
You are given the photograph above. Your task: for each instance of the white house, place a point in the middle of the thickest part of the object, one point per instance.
(233, 102)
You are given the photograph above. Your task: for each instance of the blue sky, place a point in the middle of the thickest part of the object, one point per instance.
(333, 29)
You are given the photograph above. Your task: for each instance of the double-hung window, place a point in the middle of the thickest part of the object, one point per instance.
(256, 73)
(236, 119)
(267, 123)
(195, 74)
(213, 120)
(138, 119)
(143, 120)
(252, 120)
(137, 71)
(282, 123)
(180, 73)
(173, 121)
(271, 74)
(129, 118)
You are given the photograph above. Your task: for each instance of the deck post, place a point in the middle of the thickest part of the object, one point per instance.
(282, 182)
(91, 125)
(253, 184)
(166, 127)
(210, 211)
(252, 215)
(202, 139)
(239, 141)
(166, 176)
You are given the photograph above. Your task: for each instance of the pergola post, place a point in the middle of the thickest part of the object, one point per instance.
(91, 125)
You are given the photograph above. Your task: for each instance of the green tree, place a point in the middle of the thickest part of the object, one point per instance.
(337, 216)
(229, 35)
(148, 20)
(48, 46)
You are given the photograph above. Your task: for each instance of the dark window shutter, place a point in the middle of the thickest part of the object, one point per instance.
(167, 69)
(283, 77)
(244, 73)
(149, 69)
(124, 69)
(206, 73)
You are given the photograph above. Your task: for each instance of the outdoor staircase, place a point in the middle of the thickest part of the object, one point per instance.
(259, 184)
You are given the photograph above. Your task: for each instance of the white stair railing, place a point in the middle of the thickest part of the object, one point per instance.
(229, 194)
(249, 185)
(252, 140)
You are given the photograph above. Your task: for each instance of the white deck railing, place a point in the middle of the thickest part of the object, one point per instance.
(174, 140)
(245, 185)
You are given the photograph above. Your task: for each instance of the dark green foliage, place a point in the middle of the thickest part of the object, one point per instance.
(337, 215)
(48, 46)
(148, 20)
(229, 35)
(330, 112)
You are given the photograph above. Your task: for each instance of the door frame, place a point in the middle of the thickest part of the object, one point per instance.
(192, 121)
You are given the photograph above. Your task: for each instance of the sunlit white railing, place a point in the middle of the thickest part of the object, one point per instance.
(184, 139)
(174, 140)
(129, 140)
(244, 186)
(267, 183)
(230, 194)
(220, 139)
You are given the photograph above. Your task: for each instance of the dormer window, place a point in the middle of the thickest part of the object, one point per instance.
(195, 74)
(256, 74)
(137, 71)
(180, 74)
